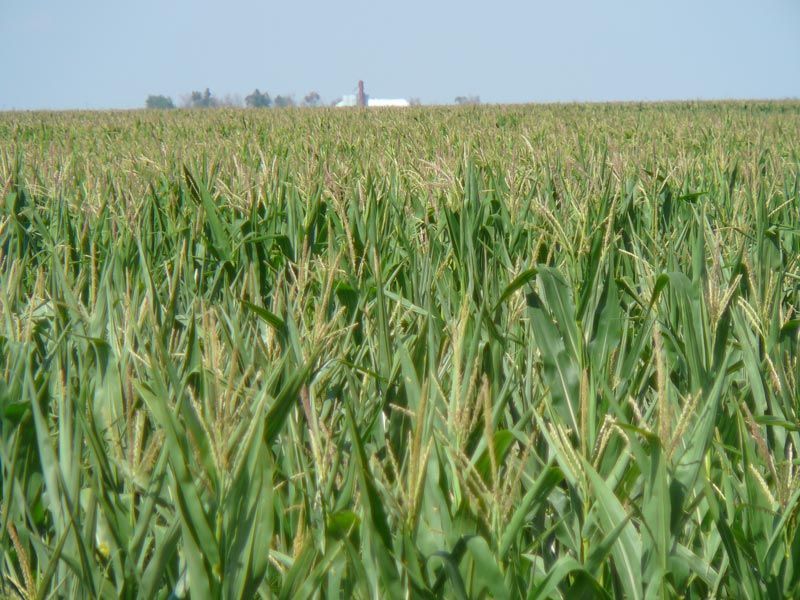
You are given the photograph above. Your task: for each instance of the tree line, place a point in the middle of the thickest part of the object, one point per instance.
(257, 99)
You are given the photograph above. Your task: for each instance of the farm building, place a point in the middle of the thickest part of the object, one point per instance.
(362, 99)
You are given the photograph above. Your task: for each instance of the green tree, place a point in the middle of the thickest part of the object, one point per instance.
(284, 101)
(202, 99)
(312, 99)
(258, 99)
(161, 102)
(468, 100)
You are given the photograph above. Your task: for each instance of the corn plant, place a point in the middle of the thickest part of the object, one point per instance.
(475, 352)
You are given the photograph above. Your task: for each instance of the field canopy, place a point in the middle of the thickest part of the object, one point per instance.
(463, 352)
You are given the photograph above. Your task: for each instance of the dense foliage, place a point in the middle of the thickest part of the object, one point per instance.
(456, 352)
(159, 102)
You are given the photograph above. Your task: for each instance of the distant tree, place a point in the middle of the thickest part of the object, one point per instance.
(258, 99)
(284, 101)
(163, 102)
(202, 99)
(231, 100)
(312, 99)
(415, 102)
(468, 100)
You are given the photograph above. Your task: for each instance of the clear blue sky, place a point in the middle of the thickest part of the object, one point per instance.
(112, 54)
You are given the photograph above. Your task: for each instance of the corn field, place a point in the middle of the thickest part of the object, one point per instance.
(477, 352)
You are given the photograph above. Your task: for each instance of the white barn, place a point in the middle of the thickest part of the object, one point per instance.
(377, 102)
(352, 100)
